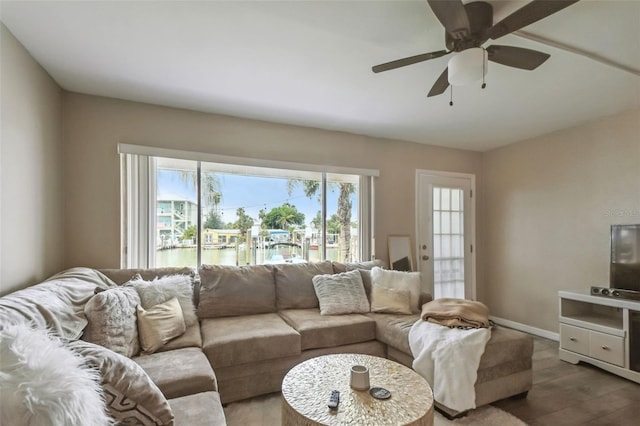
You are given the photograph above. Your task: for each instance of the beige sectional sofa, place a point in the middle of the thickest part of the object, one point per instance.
(256, 322)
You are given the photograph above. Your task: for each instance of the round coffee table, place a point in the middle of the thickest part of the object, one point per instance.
(307, 386)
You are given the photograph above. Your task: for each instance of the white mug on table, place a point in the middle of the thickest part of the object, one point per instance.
(360, 377)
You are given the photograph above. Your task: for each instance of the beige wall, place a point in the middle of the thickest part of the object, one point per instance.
(545, 205)
(548, 206)
(31, 207)
(94, 126)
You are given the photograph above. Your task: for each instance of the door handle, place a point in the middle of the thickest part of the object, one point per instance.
(425, 257)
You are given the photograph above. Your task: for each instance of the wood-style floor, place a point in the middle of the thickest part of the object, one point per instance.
(567, 394)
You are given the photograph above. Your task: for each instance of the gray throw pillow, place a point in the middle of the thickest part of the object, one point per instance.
(130, 395)
(111, 316)
(341, 293)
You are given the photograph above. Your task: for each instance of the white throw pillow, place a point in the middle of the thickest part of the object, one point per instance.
(398, 280)
(341, 293)
(164, 288)
(44, 383)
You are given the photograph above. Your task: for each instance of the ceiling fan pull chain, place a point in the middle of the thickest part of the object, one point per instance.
(451, 96)
(484, 67)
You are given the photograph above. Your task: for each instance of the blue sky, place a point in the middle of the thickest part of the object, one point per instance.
(251, 193)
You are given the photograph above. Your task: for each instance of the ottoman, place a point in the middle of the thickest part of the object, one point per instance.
(505, 366)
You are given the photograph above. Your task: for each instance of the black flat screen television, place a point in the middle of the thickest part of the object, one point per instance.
(625, 257)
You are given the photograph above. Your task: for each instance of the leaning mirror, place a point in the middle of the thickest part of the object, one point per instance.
(400, 252)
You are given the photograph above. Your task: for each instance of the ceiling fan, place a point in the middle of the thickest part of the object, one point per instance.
(468, 27)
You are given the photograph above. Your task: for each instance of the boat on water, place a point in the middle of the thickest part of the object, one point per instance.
(278, 253)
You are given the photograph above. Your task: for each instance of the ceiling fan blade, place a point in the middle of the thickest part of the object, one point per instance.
(528, 14)
(441, 84)
(516, 57)
(453, 16)
(408, 61)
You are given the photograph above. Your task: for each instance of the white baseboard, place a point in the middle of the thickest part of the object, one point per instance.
(526, 328)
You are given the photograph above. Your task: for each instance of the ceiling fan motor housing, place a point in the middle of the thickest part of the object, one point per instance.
(467, 67)
(480, 15)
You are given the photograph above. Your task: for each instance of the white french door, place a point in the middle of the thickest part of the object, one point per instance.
(445, 226)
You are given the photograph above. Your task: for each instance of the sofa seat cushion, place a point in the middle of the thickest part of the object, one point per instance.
(200, 409)
(322, 331)
(238, 340)
(191, 338)
(393, 329)
(179, 372)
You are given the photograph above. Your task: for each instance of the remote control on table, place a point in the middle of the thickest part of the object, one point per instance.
(334, 399)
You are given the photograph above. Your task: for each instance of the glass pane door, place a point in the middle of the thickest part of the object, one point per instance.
(445, 229)
(448, 242)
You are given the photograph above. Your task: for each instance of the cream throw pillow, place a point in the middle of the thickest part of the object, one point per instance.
(159, 324)
(390, 301)
(398, 280)
(341, 293)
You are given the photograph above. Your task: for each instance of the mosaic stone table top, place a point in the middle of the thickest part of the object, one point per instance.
(307, 386)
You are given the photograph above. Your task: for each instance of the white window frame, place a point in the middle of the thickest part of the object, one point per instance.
(138, 217)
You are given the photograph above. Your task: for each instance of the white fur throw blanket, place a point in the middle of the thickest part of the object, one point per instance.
(43, 383)
(448, 358)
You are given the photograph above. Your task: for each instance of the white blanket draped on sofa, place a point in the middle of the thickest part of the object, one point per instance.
(448, 358)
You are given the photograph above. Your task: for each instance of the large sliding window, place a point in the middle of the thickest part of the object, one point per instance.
(187, 209)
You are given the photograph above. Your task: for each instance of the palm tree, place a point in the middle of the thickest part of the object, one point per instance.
(287, 220)
(312, 187)
(210, 185)
(344, 218)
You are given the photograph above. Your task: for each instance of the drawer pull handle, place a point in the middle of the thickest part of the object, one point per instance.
(606, 348)
(573, 339)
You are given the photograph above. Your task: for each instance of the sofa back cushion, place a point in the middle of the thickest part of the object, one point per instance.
(294, 285)
(236, 290)
(339, 267)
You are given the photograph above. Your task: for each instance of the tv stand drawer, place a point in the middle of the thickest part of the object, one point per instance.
(607, 348)
(574, 339)
(602, 346)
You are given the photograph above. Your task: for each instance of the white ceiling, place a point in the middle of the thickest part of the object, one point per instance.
(309, 63)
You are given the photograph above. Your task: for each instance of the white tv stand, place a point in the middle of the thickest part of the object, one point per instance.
(602, 331)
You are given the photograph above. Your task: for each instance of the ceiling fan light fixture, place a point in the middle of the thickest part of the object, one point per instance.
(468, 66)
